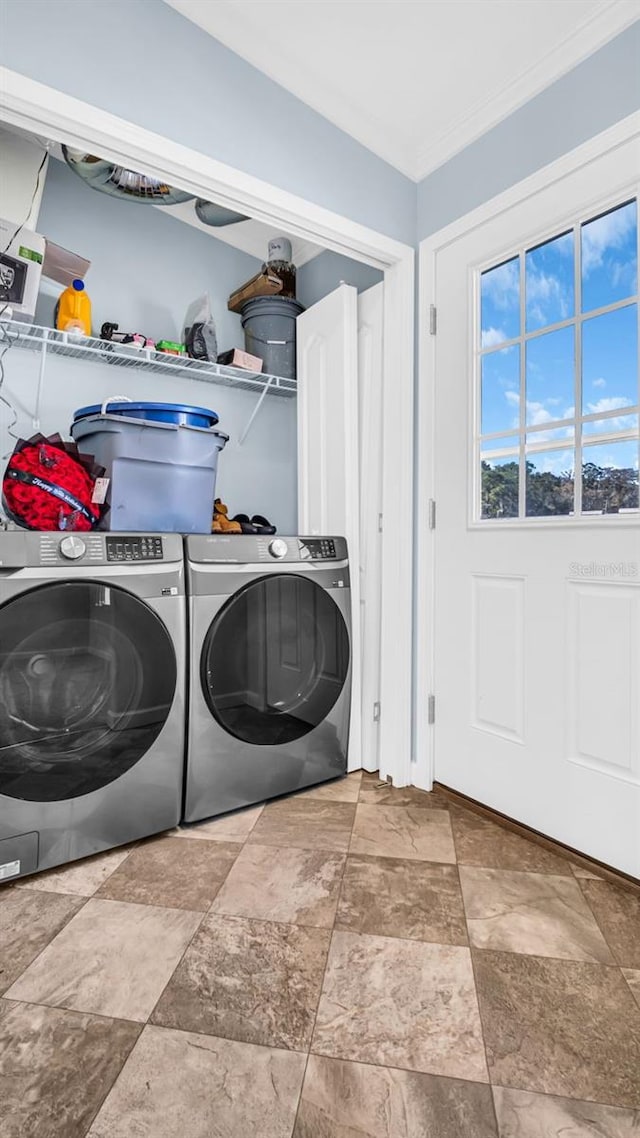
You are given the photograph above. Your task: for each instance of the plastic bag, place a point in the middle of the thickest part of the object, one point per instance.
(200, 330)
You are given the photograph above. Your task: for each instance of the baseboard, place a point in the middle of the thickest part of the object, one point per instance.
(616, 876)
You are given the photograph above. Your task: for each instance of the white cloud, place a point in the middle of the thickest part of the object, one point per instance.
(607, 403)
(599, 382)
(502, 285)
(606, 234)
(512, 397)
(493, 336)
(547, 296)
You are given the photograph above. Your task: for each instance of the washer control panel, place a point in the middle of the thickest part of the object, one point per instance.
(319, 549)
(138, 548)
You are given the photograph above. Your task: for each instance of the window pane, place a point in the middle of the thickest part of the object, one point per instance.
(500, 409)
(550, 483)
(551, 376)
(610, 361)
(609, 257)
(549, 275)
(617, 423)
(610, 477)
(499, 489)
(500, 303)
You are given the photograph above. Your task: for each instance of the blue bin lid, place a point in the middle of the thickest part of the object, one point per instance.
(117, 408)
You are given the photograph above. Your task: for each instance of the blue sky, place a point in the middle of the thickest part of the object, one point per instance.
(608, 248)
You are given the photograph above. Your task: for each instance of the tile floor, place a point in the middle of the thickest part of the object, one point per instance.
(350, 961)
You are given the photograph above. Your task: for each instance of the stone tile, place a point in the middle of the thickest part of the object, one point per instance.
(248, 980)
(584, 874)
(481, 842)
(560, 1027)
(176, 1084)
(234, 827)
(81, 878)
(536, 913)
(112, 958)
(633, 980)
(56, 1068)
(403, 831)
(176, 875)
(305, 823)
(389, 896)
(28, 921)
(338, 790)
(345, 1100)
(272, 883)
(617, 911)
(377, 793)
(525, 1115)
(401, 1003)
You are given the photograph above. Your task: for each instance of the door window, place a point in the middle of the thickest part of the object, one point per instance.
(275, 660)
(557, 375)
(87, 680)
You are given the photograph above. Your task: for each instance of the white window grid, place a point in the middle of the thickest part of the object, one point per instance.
(524, 431)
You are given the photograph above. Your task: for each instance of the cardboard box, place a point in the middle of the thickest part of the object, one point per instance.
(235, 357)
(264, 283)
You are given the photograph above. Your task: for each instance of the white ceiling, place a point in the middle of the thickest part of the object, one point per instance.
(413, 80)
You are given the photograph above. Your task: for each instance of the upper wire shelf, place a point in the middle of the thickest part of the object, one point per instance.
(89, 348)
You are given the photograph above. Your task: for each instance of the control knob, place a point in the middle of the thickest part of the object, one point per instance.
(72, 548)
(278, 548)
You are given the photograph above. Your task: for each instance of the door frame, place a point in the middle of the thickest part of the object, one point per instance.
(426, 665)
(43, 110)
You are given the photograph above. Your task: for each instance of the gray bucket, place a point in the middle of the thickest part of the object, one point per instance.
(162, 475)
(269, 324)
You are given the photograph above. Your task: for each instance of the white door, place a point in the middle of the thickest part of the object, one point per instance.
(328, 454)
(537, 540)
(370, 394)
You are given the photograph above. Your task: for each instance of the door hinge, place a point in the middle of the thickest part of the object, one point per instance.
(432, 513)
(433, 319)
(376, 712)
(379, 523)
(431, 709)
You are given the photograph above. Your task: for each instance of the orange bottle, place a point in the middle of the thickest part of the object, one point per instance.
(74, 309)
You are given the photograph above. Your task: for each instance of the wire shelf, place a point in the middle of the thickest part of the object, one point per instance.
(36, 338)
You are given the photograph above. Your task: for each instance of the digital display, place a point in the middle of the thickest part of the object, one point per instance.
(321, 548)
(134, 548)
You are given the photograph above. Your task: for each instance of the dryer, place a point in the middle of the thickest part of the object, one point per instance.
(270, 667)
(92, 693)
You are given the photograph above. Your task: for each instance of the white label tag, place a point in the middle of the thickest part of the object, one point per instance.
(9, 869)
(100, 491)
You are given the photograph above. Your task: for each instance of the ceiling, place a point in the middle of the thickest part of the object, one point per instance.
(415, 81)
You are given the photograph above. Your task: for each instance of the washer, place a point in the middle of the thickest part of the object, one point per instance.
(92, 693)
(270, 674)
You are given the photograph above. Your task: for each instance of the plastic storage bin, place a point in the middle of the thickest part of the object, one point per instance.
(161, 459)
(269, 324)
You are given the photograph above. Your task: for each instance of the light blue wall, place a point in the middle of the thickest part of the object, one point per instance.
(141, 60)
(593, 96)
(325, 272)
(146, 266)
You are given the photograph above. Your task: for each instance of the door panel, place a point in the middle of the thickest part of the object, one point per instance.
(328, 449)
(537, 619)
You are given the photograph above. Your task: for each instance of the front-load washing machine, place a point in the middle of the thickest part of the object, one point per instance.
(270, 674)
(92, 693)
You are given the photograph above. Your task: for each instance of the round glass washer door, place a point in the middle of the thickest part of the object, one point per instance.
(87, 679)
(275, 660)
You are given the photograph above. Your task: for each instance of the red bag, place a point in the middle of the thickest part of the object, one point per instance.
(48, 485)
